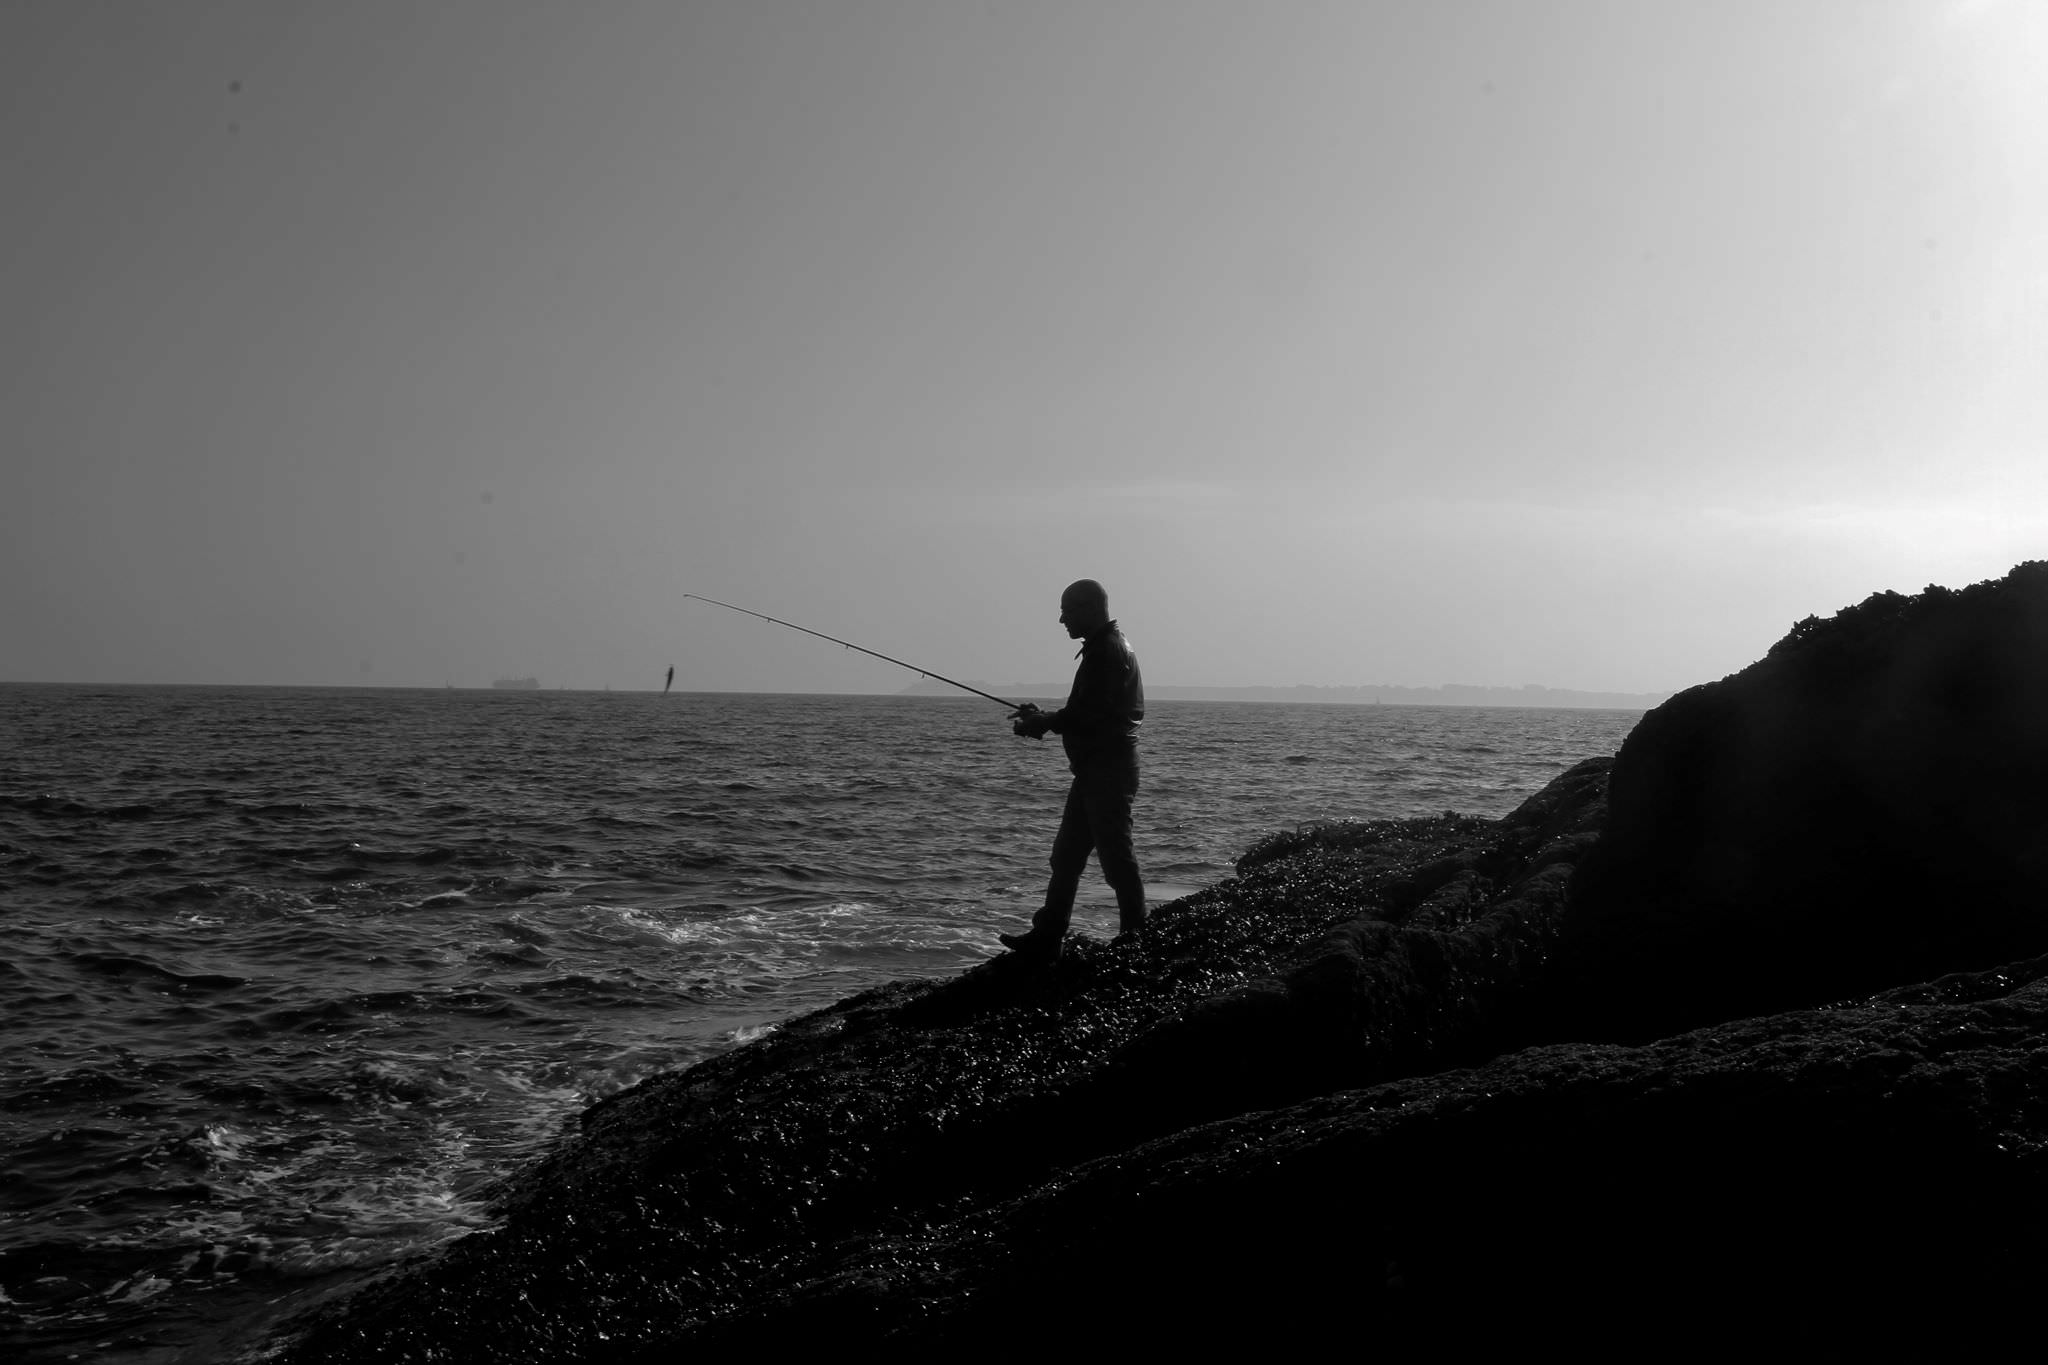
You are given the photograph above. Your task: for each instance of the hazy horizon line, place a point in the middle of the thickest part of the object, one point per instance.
(925, 688)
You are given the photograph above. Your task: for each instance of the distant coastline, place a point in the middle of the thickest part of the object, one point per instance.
(1375, 694)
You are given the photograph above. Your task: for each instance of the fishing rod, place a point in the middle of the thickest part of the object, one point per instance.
(924, 672)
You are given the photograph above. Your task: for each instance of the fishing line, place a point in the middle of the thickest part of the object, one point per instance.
(923, 672)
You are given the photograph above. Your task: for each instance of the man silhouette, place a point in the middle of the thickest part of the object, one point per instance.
(1098, 727)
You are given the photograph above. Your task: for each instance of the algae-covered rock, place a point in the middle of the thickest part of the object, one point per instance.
(1806, 1181)
(1437, 969)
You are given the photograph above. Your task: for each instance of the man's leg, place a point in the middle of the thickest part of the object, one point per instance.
(1070, 849)
(1109, 824)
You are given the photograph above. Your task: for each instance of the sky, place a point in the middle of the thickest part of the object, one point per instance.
(1581, 344)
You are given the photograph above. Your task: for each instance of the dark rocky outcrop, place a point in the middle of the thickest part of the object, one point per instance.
(1822, 1177)
(1307, 1103)
(1866, 805)
(1436, 970)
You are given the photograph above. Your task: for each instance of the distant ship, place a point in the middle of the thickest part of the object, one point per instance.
(518, 684)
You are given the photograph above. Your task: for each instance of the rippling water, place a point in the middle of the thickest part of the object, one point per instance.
(291, 974)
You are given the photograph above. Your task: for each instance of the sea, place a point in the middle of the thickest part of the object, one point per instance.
(289, 976)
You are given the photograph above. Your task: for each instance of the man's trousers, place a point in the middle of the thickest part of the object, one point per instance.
(1098, 820)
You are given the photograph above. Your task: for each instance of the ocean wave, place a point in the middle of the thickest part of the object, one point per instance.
(51, 807)
(117, 965)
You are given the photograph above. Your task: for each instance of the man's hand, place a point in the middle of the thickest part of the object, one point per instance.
(1030, 722)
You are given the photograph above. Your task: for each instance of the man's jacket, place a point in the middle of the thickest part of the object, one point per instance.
(1099, 724)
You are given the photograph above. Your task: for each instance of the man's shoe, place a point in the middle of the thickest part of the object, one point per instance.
(1033, 944)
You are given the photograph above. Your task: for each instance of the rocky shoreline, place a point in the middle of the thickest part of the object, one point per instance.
(1744, 1029)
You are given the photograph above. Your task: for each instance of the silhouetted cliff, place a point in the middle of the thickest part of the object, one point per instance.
(1866, 805)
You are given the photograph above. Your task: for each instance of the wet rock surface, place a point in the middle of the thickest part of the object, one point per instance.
(1403, 1081)
(1844, 1174)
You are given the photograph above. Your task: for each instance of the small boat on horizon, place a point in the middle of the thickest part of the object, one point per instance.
(517, 684)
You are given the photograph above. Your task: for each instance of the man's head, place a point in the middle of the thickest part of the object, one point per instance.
(1084, 608)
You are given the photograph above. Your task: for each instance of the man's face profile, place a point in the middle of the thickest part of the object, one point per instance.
(1081, 613)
